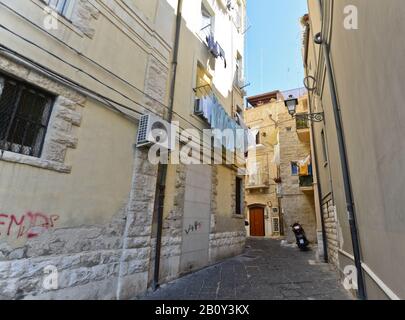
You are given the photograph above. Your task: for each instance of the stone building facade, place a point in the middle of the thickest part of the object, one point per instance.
(297, 192)
(260, 185)
(82, 208)
(283, 142)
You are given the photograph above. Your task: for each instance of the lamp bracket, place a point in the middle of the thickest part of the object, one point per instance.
(314, 117)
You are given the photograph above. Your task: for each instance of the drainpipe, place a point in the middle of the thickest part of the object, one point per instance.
(345, 168)
(162, 170)
(319, 190)
(316, 160)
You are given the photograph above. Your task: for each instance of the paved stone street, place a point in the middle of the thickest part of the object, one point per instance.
(266, 271)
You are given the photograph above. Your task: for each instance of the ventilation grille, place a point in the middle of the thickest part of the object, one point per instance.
(143, 130)
(276, 225)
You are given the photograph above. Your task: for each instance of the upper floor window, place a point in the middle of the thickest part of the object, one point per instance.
(239, 78)
(24, 116)
(258, 138)
(239, 17)
(239, 114)
(63, 7)
(295, 169)
(207, 21)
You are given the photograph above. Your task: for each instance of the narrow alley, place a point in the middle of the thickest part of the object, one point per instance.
(266, 271)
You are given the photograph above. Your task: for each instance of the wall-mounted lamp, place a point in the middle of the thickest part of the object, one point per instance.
(291, 103)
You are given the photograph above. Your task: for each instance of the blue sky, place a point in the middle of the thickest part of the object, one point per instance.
(274, 45)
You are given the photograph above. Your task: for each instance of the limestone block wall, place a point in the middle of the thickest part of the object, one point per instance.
(66, 114)
(329, 215)
(226, 244)
(93, 262)
(97, 260)
(231, 242)
(297, 206)
(84, 13)
(172, 228)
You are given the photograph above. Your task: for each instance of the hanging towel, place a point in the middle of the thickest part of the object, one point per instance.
(222, 54)
(304, 166)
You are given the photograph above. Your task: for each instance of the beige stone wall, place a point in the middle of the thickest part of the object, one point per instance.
(193, 51)
(85, 206)
(297, 206)
(366, 63)
(228, 235)
(264, 118)
(101, 188)
(331, 230)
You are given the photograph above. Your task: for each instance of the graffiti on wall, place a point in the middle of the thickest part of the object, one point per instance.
(29, 225)
(193, 227)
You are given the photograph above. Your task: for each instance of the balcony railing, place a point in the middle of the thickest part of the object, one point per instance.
(258, 180)
(306, 181)
(302, 123)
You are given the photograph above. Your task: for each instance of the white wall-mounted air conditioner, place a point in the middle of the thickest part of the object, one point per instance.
(153, 130)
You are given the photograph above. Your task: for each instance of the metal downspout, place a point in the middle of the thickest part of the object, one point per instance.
(345, 168)
(162, 171)
(318, 185)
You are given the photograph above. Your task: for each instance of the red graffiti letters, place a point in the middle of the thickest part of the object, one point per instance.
(29, 225)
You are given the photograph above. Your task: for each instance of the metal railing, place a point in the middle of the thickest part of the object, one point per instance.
(259, 179)
(306, 181)
(24, 116)
(302, 122)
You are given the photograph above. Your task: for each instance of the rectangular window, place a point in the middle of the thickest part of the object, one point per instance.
(239, 198)
(207, 21)
(258, 140)
(239, 17)
(203, 82)
(238, 115)
(294, 168)
(239, 71)
(63, 7)
(24, 116)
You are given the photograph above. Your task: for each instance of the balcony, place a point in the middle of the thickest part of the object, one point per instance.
(258, 181)
(307, 184)
(302, 124)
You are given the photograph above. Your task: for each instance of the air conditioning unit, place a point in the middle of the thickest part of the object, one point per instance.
(275, 210)
(153, 130)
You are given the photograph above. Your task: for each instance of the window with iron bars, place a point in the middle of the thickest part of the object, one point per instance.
(63, 7)
(24, 116)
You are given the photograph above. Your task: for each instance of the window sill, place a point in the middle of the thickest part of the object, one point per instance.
(238, 216)
(34, 162)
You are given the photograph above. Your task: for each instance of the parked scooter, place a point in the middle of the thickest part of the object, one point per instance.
(302, 241)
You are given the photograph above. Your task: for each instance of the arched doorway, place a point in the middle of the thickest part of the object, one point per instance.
(256, 217)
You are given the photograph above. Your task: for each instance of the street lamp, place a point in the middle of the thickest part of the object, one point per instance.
(291, 104)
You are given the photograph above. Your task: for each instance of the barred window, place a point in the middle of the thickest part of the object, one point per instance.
(24, 116)
(63, 7)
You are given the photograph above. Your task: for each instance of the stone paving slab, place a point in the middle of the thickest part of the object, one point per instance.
(266, 271)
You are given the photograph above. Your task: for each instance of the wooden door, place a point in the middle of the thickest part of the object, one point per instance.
(257, 222)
